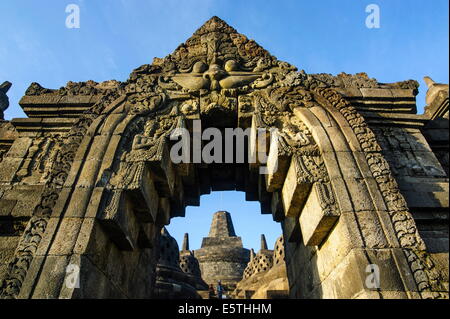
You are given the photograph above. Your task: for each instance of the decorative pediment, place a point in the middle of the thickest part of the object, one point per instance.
(215, 58)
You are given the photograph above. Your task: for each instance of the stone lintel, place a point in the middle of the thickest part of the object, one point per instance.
(52, 105)
(41, 125)
(395, 119)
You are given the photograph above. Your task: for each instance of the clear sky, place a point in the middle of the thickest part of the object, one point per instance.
(116, 36)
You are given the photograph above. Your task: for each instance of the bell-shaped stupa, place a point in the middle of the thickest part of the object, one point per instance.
(222, 256)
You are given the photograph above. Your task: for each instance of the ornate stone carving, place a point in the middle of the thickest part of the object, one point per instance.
(148, 145)
(25, 251)
(74, 88)
(189, 107)
(311, 169)
(359, 80)
(215, 77)
(400, 149)
(218, 102)
(217, 71)
(144, 103)
(298, 137)
(404, 225)
(17, 269)
(41, 154)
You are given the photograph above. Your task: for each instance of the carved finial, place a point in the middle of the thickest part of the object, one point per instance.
(4, 101)
(222, 225)
(5, 86)
(429, 81)
(263, 242)
(436, 99)
(252, 254)
(186, 242)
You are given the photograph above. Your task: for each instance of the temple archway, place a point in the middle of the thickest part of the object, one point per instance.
(113, 184)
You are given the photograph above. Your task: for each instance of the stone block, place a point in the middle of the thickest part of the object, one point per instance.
(371, 229)
(403, 94)
(27, 196)
(96, 202)
(94, 242)
(51, 278)
(352, 140)
(375, 93)
(120, 222)
(277, 207)
(78, 202)
(294, 193)
(6, 207)
(111, 122)
(291, 229)
(277, 166)
(323, 117)
(349, 92)
(8, 168)
(360, 196)
(20, 147)
(315, 222)
(88, 174)
(66, 236)
(145, 199)
(93, 283)
(163, 217)
(347, 164)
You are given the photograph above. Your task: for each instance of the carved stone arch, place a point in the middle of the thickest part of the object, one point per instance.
(416, 266)
(33, 247)
(114, 185)
(370, 203)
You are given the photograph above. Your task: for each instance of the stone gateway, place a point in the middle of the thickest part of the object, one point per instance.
(86, 179)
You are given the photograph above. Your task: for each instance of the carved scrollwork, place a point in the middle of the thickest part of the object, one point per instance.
(311, 169)
(40, 156)
(245, 103)
(25, 251)
(327, 198)
(218, 101)
(189, 107)
(145, 103)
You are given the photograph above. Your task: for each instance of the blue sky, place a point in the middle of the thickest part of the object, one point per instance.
(117, 36)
